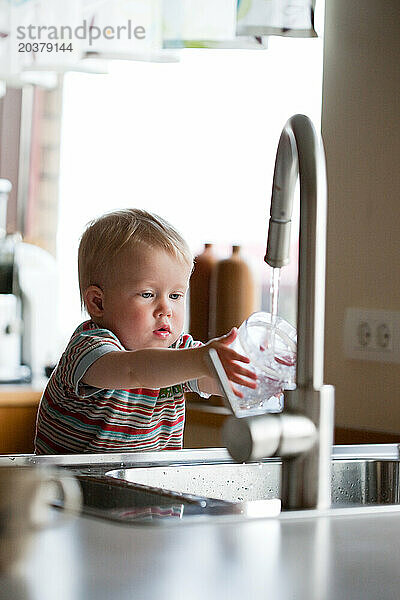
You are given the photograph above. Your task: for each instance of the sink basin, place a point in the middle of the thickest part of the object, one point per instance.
(354, 481)
(163, 488)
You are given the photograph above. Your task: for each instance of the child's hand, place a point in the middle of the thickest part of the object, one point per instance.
(230, 360)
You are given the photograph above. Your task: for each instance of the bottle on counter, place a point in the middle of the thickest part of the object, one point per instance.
(199, 301)
(233, 293)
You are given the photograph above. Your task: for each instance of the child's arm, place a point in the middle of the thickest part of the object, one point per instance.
(162, 367)
(209, 385)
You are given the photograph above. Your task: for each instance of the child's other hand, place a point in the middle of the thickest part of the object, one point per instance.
(231, 360)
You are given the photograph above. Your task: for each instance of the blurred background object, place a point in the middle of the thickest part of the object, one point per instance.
(28, 276)
(200, 280)
(234, 295)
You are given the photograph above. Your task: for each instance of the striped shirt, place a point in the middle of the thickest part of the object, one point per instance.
(76, 418)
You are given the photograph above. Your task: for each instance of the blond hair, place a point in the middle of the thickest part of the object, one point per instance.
(105, 237)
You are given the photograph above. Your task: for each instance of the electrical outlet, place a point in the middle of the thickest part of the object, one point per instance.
(372, 335)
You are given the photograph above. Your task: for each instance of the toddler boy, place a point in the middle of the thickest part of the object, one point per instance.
(119, 385)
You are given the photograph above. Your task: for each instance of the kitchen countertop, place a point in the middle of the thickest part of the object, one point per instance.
(339, 558)
(290, 557)
(22, 394)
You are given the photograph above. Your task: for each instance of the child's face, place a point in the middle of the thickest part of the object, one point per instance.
(145, 307)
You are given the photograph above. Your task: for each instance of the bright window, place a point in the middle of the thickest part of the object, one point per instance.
(193, 141)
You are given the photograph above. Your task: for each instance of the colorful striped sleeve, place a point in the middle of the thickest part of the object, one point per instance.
(84, 348)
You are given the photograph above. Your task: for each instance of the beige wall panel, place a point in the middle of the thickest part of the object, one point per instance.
(361, 130)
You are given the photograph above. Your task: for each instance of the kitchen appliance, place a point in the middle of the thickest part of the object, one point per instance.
(28, 304)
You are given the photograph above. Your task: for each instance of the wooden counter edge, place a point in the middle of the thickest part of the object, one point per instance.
(13, 398)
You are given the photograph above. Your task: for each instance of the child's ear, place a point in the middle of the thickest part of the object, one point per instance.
(93, 297)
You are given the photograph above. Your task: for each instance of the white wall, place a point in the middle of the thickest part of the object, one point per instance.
(361, 130)
(196, 137)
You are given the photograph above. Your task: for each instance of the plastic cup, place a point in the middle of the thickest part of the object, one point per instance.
(271, 345)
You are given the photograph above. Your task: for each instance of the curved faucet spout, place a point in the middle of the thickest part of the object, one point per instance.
(302, 434)
(301, 154)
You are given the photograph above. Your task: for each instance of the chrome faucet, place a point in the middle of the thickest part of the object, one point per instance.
(302, 434)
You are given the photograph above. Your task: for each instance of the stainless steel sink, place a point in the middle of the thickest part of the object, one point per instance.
(354, 481)
(165, 488)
